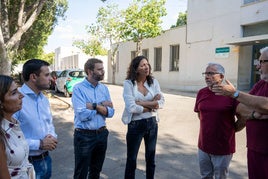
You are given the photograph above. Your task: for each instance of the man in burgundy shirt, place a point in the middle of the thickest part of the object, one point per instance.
(254, 108)
(218, 125)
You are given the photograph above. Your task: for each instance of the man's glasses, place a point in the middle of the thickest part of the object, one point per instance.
(209, 73)
(263, 61)
(259, 62)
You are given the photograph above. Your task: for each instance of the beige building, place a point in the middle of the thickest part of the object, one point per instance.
(229, 32)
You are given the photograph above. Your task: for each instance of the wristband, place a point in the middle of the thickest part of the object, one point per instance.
(252, 115)
(94, 106)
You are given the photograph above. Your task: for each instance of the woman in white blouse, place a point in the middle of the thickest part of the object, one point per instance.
(14, 148)
(143, 97)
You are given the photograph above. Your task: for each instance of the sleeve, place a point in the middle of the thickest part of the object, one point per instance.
(196, 103)
(110, 111)
(79, 105)
(161, 102)
(129, 98)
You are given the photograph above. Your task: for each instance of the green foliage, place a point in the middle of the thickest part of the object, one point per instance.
(182, 20)
(91, 47)
(108, 29)
(25, 27)
(49, 57)
(33, 41)
(107, 26)
(142, 19)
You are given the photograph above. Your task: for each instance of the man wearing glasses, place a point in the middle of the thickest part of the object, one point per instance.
(216, 143)
(254, 108)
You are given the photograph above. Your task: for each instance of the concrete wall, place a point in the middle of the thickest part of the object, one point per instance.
(210, 25)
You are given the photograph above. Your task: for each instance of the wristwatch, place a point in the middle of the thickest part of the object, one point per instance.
(236, 94)
(94, 105)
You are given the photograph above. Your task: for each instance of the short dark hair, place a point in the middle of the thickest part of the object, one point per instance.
(134, 64)
(90, 64)
(32, 66)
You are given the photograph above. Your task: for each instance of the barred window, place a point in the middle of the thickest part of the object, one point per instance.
(174, 57)
(157, 59)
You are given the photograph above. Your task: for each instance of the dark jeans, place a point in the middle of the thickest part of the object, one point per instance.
(43, 167)
(89, 151)
(147, 129)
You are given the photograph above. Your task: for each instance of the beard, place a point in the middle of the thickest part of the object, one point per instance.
(97, 77)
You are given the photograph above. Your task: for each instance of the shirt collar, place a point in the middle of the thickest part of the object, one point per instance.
(28, 91)
(90, 84)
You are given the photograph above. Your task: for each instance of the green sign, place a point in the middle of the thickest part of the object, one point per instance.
(222, 52)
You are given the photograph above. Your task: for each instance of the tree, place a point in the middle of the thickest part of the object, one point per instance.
(22, 25)
(49, 57)
(108, 27)
(91, 47)
(142, 19)
(182, 20)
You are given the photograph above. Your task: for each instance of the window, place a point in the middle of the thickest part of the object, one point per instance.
(250, 1)
(174, 57)
(157, 59)
(133, 54)
(145, 52)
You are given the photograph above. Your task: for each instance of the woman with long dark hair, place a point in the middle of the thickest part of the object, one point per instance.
(143, 97)
(14, 148)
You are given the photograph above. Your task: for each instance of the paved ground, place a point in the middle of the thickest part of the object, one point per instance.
(176, 148)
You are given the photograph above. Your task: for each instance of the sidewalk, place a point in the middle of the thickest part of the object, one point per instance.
(176, 155)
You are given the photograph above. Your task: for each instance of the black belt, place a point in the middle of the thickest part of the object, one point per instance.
(88, 131)
(38, 157)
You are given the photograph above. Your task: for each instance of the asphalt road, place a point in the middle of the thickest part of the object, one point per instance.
(176, 155)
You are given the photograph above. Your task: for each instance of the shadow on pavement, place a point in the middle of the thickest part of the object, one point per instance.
(176, 153)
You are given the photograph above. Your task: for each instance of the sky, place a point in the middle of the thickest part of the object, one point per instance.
(81, 13)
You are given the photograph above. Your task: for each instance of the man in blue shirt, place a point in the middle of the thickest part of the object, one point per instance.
(92, 105)
(35, 116)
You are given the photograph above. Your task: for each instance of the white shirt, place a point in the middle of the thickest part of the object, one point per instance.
(131, 95)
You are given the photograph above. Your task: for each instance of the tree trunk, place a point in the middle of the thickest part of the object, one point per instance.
(138, 47)
(113, 77)
(113, 62)
(5, 68)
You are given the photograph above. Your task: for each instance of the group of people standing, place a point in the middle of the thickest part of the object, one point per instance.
(27, 133)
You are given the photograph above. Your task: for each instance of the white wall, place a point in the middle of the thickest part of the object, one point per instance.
(210, 25)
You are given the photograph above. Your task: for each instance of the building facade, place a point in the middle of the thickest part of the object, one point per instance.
(229, 32)
(74, 58)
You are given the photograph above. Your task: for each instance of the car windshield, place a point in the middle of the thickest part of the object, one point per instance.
(78, 74)
(58, 72)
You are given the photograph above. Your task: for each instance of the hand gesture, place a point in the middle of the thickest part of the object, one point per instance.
(49, 143)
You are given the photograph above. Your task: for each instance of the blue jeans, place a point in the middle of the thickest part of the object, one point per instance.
(89, 151)
(214, 165)
(43, 167)
(137, 130)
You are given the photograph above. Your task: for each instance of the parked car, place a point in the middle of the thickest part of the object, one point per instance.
(54, 75)
(67, 79)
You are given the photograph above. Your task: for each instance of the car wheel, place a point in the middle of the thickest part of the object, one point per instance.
(66, 93)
